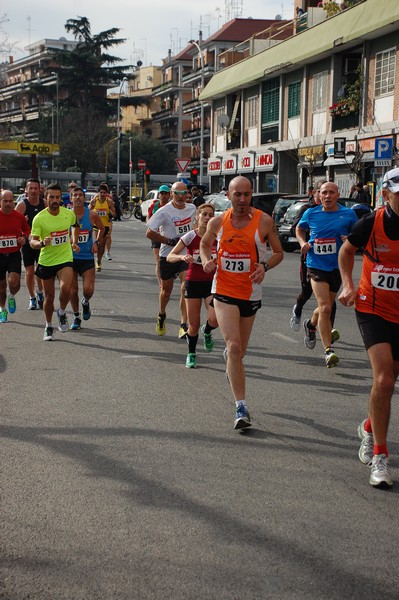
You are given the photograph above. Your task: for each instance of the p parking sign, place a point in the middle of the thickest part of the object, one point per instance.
(383, 152)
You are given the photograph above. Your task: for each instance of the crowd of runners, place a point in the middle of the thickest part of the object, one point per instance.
(221, 263)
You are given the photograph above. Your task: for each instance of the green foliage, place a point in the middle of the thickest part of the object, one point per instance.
(157, 157)
(86, 70)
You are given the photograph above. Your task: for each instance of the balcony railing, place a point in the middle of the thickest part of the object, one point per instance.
(348, 121)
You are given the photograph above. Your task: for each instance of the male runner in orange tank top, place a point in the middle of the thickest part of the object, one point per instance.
(240, 268)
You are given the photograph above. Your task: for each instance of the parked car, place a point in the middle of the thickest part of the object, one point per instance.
(146, 203)
(285, 232)
(219, 202)
(283, 204)
(266, 201)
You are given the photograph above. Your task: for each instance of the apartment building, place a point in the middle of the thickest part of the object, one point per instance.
(29, 89)
(136, 115)
(279, 115)
(183, 122)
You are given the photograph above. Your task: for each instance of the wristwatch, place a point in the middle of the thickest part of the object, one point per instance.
(42, 244)
(266, 266)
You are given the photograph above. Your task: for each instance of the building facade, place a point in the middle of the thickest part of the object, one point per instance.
(279, 115)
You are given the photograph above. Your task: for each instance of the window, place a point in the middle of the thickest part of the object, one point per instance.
(270, 101)
(220, 129)
(385, 72)
(252, 111)
(270, 111)
(294, 99)
(319, 92)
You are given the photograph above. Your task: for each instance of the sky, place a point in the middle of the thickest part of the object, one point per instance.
(150, 27)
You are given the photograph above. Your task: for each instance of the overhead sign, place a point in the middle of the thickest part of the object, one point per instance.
(141, 164)
(34, 148)
(182, 164)
(339, 147)
(383, 149)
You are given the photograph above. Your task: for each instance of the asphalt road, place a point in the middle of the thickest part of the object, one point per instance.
(122, 477)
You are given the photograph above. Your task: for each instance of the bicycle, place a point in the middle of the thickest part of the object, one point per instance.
(127, 207)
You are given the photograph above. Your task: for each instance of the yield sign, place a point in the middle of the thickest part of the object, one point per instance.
(182, 164)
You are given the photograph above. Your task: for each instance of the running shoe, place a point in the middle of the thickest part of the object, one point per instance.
(208, 344)
(48, 334)
(331, 358)
(242, 418)
(334, 335)
(32, 304)
(191, 361)
(40, 300)
(183, 331)
(366, 449)
(98, 267)
(379, 476)
(108, 256)
(310, 334)
(12, 305)
(160, 327)
(3, 316)
(62, 322)
(86, 310)
(76, 325)
(295, 322)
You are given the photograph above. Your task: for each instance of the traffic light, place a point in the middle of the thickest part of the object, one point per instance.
(194, 175)
(147, 174)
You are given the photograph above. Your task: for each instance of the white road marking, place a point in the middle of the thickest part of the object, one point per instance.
(284, 337)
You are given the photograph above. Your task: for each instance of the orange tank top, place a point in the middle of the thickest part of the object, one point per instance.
(378, 291)
(238, 251)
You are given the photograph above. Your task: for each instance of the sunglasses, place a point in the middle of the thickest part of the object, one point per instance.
(392, 180)
(179, 192)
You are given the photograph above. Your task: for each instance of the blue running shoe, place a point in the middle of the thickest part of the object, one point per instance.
(86, 310)
(12, 305)
(76, 325)
(40, 300)
(3, 316)
(242, 418)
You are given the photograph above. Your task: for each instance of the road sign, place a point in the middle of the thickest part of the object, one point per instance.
(382, 162)
(141, 164)
(182, 164)
(383, 150)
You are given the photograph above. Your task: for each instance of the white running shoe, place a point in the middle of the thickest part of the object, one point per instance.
(379, 476)
(366, 449)
(295, 322)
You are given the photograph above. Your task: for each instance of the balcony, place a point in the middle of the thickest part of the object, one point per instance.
(195, 134)
(164, 113)
(347, 121)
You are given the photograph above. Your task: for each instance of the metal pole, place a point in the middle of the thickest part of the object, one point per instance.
(57, 105)
(130, 167)
(118, 149)
(201, 109)
(52, 135)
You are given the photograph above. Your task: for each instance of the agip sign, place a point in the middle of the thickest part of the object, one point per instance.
(34, 148)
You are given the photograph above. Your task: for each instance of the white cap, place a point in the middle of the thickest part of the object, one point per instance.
(391, 180)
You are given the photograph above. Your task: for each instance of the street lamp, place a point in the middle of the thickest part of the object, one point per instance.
(51, 105)
(202, 106)
(119, 134)
(57, 105)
